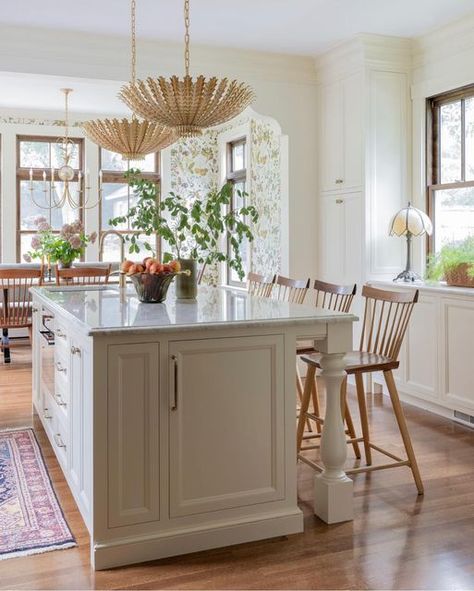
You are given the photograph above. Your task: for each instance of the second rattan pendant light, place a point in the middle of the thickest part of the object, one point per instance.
(132, 138)
(187, 105)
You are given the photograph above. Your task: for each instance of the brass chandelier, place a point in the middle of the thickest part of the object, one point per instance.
(187, 105)
(132, 138)
(66, 175)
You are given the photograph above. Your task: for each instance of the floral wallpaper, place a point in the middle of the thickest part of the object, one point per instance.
(195, 170)
(32, 121)
(265, 195)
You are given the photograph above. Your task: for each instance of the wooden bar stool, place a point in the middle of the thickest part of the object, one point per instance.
(338, 298)
(83, 275)
(386, 319)
(259, 285)
(290, 290)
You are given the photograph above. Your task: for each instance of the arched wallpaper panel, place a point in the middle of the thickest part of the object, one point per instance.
(194, 171)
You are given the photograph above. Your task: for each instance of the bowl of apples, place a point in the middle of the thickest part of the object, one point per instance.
(151, 278)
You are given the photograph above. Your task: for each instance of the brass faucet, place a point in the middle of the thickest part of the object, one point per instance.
(122, 278)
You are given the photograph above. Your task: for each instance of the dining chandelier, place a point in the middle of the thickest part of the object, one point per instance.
(132, 138)
(55, 196)
(187, 105)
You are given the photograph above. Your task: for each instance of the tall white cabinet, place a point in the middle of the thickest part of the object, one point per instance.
(364, 156)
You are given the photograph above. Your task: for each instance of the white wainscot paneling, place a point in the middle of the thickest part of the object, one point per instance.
(459, 362)
(133, 444)
(226, 387)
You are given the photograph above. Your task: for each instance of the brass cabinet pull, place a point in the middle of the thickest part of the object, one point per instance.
(60, 367)
(59, 441)
(59, 400)
(75, 350)
(174, 403)
(339, 181)
(339, 201)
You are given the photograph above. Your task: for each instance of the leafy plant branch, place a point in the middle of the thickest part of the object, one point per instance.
(192, 231)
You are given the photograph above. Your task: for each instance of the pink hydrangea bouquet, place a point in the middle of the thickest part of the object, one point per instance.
(63, 247)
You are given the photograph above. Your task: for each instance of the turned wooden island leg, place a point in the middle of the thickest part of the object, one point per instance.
(333, 488)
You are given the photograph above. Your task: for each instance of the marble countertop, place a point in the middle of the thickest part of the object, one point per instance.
(111, 310)
(433, 287)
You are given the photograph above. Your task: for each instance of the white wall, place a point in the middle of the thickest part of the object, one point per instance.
(442, 61)
(285, 87)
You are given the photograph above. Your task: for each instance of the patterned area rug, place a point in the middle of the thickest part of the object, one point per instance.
(31, 520)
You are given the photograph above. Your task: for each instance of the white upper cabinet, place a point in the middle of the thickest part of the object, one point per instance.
(341, 134)
(364, 151)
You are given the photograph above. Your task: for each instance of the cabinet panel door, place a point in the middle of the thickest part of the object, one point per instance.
(331, 151)
(133, 433)
(458, 318)
(226, 424)
(353, 122)
(36, 339)
(352, 231)
(332, 240)
(420, 355)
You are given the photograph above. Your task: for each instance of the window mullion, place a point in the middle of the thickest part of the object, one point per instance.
(463, 140)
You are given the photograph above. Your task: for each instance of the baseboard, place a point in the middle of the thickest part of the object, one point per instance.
(141, 549)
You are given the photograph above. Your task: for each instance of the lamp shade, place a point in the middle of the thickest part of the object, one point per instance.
(410, 220)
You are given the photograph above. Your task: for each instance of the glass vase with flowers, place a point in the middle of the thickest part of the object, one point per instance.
(62, 248)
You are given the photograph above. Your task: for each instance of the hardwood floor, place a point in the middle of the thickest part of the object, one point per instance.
(398, 540)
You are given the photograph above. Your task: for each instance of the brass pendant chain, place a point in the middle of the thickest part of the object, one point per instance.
(134, 41)
(66, 112)
(186, 36)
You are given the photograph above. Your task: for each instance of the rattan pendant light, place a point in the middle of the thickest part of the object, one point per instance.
(132, 138)
(186, 104)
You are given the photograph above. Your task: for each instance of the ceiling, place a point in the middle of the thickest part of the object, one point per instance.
(284, 26)
(37, 91)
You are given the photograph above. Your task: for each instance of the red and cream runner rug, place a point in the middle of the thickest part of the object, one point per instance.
(31, 520)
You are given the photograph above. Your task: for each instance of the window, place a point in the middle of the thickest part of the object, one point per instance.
(36, 156)
(237, 176)
(117, 198)
(451, 166)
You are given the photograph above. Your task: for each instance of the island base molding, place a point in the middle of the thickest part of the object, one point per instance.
(333, 500)
(164, 545)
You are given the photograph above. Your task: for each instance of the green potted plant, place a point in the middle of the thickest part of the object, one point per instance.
(63, 248)
(454, 263)
(194, 232)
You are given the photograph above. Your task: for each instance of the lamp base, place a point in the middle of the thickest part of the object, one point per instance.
(408, 276)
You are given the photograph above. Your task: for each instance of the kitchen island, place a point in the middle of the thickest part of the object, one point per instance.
(174, 423)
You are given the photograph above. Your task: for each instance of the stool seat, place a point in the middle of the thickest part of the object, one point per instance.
(358, 361)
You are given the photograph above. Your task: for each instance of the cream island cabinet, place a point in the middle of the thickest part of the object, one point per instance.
(174, 423)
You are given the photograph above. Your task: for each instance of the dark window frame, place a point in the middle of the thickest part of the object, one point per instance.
(234, 177)
(433, 151)
(23, 173)
(117, 177)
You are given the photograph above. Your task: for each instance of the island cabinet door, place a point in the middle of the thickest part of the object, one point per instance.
(133, 385)
(36, 343)
(226, 423)
(80, 416)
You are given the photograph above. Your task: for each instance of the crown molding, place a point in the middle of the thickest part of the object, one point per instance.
(445, 42)
(86, 55)
(365, 51)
